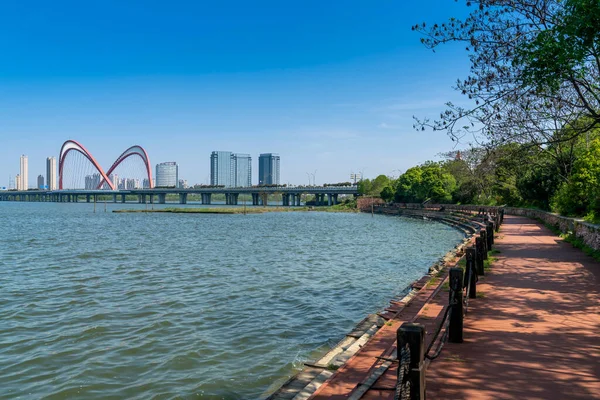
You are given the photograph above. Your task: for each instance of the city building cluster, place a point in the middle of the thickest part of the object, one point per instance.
(235, 170)
(227, 169)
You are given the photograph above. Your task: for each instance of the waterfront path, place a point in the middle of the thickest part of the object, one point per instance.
(532, 333)
(536, 332)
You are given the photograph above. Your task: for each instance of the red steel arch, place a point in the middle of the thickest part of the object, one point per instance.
(72, 145)
(132, 151)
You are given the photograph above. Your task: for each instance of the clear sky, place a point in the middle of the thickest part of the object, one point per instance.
(329, 85)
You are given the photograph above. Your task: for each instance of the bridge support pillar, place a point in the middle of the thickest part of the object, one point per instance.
(206, 198)
(95, 198)
(151, 199)
(335, 199)
(254, 199)
(75, 198)
(123, 198)
(162, 197)
(318, 199)
(87, 198)
(182, 198)
(114, 198)
(234, 198)
(329, 199)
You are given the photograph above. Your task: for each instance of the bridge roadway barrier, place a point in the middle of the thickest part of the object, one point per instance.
(290, 196)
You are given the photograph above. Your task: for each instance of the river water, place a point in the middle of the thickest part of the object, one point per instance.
(159, 306)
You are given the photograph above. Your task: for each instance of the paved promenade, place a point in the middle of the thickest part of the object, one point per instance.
(533, 332)
(536, 332)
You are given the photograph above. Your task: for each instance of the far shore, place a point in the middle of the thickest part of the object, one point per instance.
(236, 210)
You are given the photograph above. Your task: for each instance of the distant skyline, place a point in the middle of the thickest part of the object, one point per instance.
(329, 86)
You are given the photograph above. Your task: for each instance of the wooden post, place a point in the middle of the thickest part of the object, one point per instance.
(472, 269)
(483, 235)
(479, 255)
(411, 355)
(455, 334)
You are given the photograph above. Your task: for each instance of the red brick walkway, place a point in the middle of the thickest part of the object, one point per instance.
(536, 332)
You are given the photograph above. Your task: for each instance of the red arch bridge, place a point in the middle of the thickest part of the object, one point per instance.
(75, 161)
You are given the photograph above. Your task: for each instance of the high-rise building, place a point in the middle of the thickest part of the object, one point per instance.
(114, 178)
(40, 182)
(24, 173)
(230, 169)
(268, 169)
(51, 173)
(92, 181)
(167, 174)
(146, 183)
(220, 168)
(241, 170)
(18, 182)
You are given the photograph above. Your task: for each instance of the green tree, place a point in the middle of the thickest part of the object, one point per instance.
(535, 69)
(428, 181)
(581, 193)
(387, 193)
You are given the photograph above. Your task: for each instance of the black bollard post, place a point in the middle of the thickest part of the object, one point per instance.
(471, 271)
(479, 255)
(483, 235)
(455, 328)
(490, 235)
(411, 356)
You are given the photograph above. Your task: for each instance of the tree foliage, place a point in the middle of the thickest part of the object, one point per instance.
(580, 195)
(535, 70)
(425, 182)
(373, 187)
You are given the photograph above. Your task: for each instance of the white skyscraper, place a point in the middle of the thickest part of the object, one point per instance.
(24, 173)
(51, 173)
(167, 174)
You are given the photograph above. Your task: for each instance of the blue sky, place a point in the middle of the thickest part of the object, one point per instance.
(329, 85)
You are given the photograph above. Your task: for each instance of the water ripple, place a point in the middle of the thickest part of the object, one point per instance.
(103, 305)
